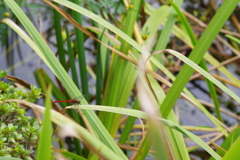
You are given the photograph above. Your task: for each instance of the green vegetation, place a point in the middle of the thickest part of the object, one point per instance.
(143, 61)
(19, 133)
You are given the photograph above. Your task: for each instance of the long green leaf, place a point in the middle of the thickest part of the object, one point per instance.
(71, 59)
(58, 31)
(80, 50)
(44, 144)
(99, 73)
(233, 38)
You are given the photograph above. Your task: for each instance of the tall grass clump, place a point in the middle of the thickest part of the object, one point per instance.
(145, 58)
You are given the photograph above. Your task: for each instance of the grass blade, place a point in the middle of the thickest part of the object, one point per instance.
(58, 30)
(80, 50)
(44, 144)
(71, 59)
(233, 38)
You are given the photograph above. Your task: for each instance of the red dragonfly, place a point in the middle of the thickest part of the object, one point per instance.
(73, 101)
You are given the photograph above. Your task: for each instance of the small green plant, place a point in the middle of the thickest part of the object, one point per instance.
(19, 133)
